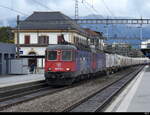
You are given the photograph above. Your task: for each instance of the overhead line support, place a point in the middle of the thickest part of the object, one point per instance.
(113, 21)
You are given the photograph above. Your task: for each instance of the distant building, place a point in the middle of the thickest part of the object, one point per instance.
(123, 49)
(44, 28)
(145, 45)
(145, 48)
(7, 52)
(96, 39)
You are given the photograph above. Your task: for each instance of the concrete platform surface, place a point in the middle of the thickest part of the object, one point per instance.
(141, 99)
(10, 80)
(136, 97)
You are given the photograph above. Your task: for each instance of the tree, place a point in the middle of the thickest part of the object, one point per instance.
(6, 36)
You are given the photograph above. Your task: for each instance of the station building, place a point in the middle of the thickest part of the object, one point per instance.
(7, 51)
(41, 29)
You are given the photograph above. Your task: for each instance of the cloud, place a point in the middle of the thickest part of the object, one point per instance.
(139, 7)
(129, 8)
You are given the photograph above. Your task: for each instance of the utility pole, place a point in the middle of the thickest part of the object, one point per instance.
(76, 10)
(107, 30)
(18, 45)
(141, 33)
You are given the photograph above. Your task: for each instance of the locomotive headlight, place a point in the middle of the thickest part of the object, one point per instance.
(49, 69)
(68, 69)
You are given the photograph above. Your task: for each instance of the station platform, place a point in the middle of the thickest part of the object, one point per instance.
(136, 96)
(10, 80)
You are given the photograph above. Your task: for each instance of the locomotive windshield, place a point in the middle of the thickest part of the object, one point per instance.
(52, 55)
(67, 55)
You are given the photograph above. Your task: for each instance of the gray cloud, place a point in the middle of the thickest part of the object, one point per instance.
(137, 4)
(139, 7)
(33, 2)
(129, 8)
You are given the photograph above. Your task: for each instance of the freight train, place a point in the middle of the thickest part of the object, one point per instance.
(65, 64)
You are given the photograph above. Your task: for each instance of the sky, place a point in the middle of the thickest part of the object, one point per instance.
(117, 8)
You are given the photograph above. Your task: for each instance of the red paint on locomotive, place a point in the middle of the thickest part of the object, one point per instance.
(58, 64)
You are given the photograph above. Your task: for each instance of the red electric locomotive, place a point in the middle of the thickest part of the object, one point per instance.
(60, 64)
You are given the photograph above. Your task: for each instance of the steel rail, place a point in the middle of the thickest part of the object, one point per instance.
(17, 94)
(103, 96)
(13, 95)
(123, 84)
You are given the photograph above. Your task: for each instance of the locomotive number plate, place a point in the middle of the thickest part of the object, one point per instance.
(58, 69)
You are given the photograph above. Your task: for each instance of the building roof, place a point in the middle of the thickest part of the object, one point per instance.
(49, 21)
(47, 16)
(93, 33)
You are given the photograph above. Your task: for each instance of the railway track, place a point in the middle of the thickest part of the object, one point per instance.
(13, 95)
(98, 101)
(17, 94)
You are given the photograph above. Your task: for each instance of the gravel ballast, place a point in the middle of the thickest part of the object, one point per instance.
(61, 100)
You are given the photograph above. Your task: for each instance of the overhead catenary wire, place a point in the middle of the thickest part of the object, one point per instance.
(11, 8)
(111, 13)
(92, 7)
(43, 5)
(14, 10)
(96, 10)
(82, 2)
(11, 4)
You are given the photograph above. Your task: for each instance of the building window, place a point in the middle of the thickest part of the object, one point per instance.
(43, 40)
(61, 39)
(77, 40)
(27, 40)
(12, 56)
(74, 39)
(6, 56)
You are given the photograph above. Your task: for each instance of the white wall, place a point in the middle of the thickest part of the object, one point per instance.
(81, 37)
(38, 50)
(33, 37)
(52, 37)
(40, 61)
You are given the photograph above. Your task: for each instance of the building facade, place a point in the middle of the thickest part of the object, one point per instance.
(145, 48)
(45, 28)
(7, 52)
(145, 45)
